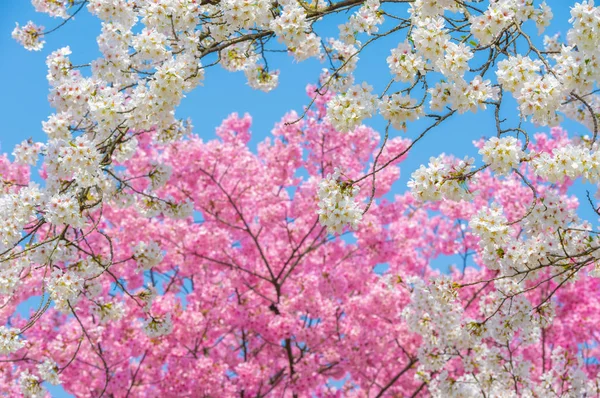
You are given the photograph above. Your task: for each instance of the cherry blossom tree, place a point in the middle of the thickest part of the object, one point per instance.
(164, 265)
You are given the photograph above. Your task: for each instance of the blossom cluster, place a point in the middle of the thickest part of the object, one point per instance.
(443, 178)
(570, 161)
(398, 109)
(404, 63)
(9, 340)
(17, 209)
(337, 203)
(347, 110)
(293, 29)
(491, 227)
(54, 8)
(502, 154)
(157, 327)
(147, 255)
(365, 20)
(29, 36)
(64, 288)
(27, 152)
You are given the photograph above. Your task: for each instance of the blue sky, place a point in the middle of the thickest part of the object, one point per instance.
(24, 102)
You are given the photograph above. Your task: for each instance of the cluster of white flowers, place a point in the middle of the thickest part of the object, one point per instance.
(9, 340)
(10, 275)
(398, 109)
(64, 288)
(156, 327)
(514, 71)
(260, 78)
(148, 207)
(501, 13)
(31, 386)
(27, 152)
(568, 373)
(569, 161)
(346, 111)
(455, 62)
(432, 8)
(48, 371)
(93, 288)
(550, 214)
(178, 211)
(150, 45)
(442, 178)
(237, 57)
(78, 159)
(147, 296)
(463, 96)
(173, 133)
(512, 255)
(538, 96)
(552, 43)
(64, 210)
(404, 64)
(543, 16)
(29, 36)
(585, 18)
(57, 126)
(71, 94)
(539, 88)
(87, 268)
(502, 154)
(16, 210)
(433, 314)
(430, 36)
(170, 82)
(490, 225)
(340, 77)
(106, 106)
(337, 203)
(492, 377)
(241, 57)
(293, 29)
(147, 255)
(113, 67)
(510, 316)
(54, 8)
(60, 252)
(576, 71)
(246, 14)
(125, 150)
(109, 311)
(541, 98)
(119, 12)
(160, 175)
(291, 24)
(365, 20)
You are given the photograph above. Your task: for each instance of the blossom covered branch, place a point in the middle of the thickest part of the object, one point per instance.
(235, 281)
